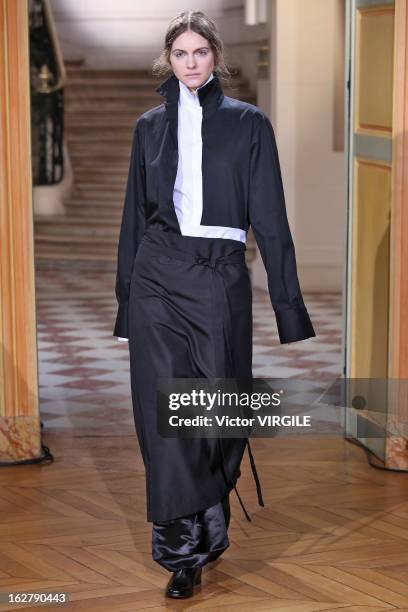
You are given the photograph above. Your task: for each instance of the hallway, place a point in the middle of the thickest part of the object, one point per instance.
(328, 79)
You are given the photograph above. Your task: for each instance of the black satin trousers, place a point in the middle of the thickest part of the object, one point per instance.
(194, 540)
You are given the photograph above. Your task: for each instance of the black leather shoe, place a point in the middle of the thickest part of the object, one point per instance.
(182, 582)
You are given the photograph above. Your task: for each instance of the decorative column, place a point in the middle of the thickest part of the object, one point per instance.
(20, 431)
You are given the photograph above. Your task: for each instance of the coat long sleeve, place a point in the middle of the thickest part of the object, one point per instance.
(268, 218)
(131, 230)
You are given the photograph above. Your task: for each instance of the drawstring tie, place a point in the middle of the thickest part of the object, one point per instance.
(255, 474)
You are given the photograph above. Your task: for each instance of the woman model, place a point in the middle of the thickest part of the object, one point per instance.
(204, 167)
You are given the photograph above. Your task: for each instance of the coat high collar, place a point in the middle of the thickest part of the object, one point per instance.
(209, 95)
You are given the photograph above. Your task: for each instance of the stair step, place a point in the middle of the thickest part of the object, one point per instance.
(117, 171)
(100, 115)
(115, 190)
(87, 162)
(78, 202)
(106, 106)
(80, 82)
(102, 121)
(111, 73)
(52, 255)
(115, 148)
(102, 197)
(120, 90)
(44, 221)
(92, 211)
(101, 158)
(98, 176)
(59, 252)
(100, 132)
(101, 136)
(120, 93)
(78, 229)
(91, 240)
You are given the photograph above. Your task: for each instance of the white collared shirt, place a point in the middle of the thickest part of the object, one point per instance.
(188, 187)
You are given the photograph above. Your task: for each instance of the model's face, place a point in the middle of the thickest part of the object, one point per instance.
(191, 59)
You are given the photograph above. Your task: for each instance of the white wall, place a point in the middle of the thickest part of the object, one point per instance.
(302, 113)
(130, 33)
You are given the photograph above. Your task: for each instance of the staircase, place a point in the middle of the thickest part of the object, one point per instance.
(101, 107)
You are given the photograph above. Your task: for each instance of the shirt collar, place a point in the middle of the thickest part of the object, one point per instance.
(190, 98)
(210, 94)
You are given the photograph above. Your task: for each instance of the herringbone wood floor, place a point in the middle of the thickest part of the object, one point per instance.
(332, 536)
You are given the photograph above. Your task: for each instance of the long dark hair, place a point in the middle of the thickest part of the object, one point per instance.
(200, 23)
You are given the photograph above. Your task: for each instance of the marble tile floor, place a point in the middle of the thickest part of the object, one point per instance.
(84, 371)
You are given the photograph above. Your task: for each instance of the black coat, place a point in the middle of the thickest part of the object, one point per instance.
(242, 187)
(185, 302)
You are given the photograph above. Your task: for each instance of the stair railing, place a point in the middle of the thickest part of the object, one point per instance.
(47, 77)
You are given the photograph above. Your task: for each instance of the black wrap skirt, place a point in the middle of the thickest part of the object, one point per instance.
(190, 316)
